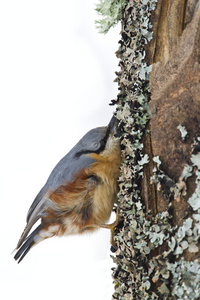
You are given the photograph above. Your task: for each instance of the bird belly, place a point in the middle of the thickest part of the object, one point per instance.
(84, 213)
(86, 203)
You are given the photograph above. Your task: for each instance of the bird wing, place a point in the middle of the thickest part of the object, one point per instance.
(65, 171)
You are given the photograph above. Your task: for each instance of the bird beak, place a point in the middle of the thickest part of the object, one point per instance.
(112, 124)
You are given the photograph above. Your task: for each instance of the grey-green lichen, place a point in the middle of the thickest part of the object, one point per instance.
(111, 11)
(142, 272)
(183, 131)
(185, 279)
(136, 240)
(180, 278)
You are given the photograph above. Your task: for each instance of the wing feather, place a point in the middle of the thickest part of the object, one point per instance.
(65, 171)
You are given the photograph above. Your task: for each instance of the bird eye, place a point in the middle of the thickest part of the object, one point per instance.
(96, 145)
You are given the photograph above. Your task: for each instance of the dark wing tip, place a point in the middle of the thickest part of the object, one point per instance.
(27, 245)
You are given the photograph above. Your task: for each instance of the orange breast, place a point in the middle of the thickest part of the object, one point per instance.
(88, 200)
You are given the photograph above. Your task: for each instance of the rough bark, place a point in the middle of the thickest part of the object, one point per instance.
(175, 86)
(158, 236)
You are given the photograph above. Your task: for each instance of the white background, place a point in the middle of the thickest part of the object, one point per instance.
(56, 80)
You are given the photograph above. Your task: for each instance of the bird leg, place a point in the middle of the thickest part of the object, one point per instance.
(112, 227)
(109, 226)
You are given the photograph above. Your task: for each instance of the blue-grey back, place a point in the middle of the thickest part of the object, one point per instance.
(71, 164)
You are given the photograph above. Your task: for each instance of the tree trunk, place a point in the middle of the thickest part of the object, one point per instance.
(159, 199)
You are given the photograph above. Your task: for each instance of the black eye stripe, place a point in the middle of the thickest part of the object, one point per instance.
(101, 148)
(78, 154)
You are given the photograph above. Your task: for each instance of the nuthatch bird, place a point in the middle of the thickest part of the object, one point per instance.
(80, 192)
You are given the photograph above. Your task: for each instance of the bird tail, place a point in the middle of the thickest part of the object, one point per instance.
(29, 242)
